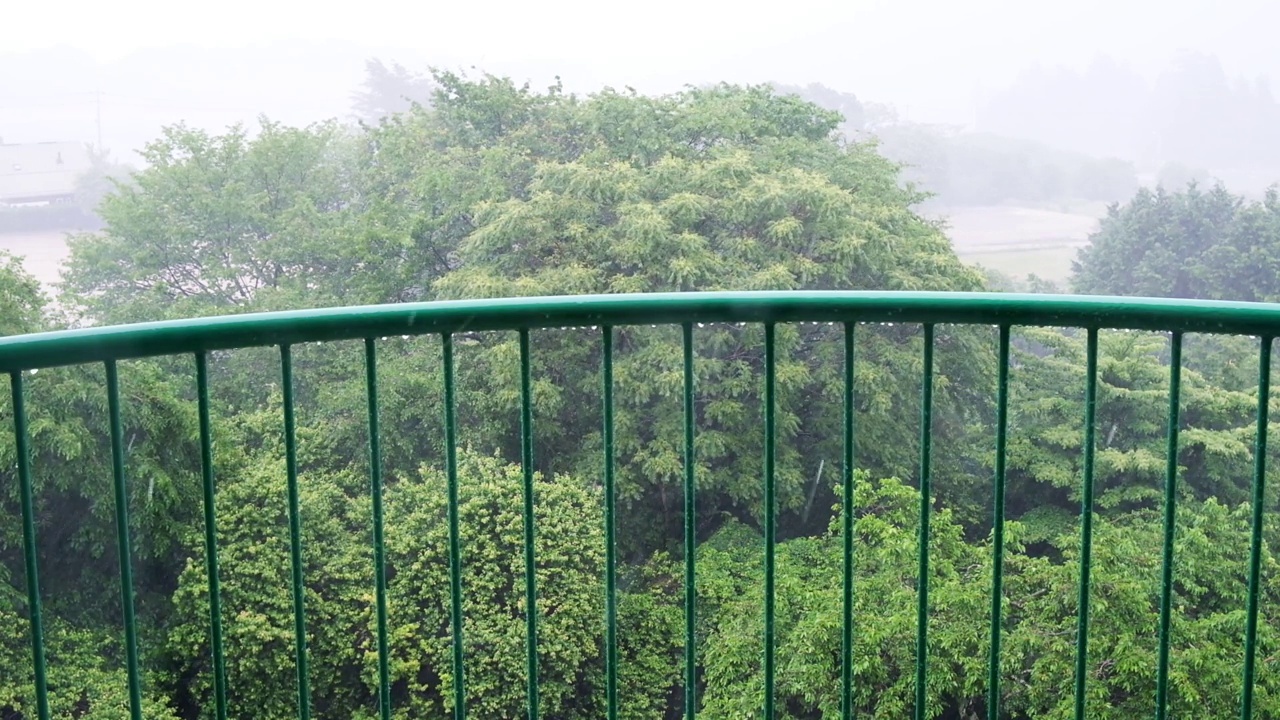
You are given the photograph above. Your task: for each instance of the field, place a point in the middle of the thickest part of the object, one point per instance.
(43, 252)
(1018, 241)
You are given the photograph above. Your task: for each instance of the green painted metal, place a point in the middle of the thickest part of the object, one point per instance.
(610, 538)
(295, 535)
(29, 553)
(455, 535)
(1255, 543)
(1086, 521)
(530, 562)
(122, 541)
(211, 538)
(997, 527)
(926, 505)
(72, 347)
(379, 546)
(690, 536)
(847, 527)
(1170, 523)
(199, 337)
(770, 511)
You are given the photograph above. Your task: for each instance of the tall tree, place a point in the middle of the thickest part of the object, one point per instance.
(1186, 243)
(388, 90)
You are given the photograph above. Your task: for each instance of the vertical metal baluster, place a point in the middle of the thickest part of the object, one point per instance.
(1255, 543)
(530, 563)
(29, 551)
(122, 541)
(1170, 522)
(295, 534)
(455, 542)
(690, 536)
(922, 607)
(770, 511)
(997, 528)
(211, 538)
(379, 546)
(610, 539)
(846, 512)
(1086, 521)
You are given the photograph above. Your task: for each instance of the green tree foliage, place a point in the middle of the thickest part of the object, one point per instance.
(1046, 433)
(809, 611)
(217, 224)
(851, 109)
(86, 679)
(338, 567)
(22, 302)
(1038, 653)
(1190, 243)
(1207, 619)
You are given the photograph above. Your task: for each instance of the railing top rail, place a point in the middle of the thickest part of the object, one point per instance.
(71, 347)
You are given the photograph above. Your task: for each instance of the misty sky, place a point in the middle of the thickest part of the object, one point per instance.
(934, 59)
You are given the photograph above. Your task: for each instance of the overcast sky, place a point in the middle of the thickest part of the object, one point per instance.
(932, 58)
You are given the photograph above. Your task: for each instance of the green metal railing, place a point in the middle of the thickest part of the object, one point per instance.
(199, 337)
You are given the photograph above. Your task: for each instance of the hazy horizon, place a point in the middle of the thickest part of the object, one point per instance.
(936, 62)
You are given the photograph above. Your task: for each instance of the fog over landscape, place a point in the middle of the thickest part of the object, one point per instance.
(936, 62)
(1157, 87)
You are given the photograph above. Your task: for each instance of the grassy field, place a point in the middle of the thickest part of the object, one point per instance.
(1018, 241)
(1047, 263)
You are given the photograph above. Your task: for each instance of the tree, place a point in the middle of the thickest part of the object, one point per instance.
(75, 521)
(219, 224)
(339, 576)
(103, 176)
(22, 301)
(390, 90)
(1191, 243)
(1046, 427)
(1039, 617)
(847, 104)
(809, 612)
(496, 189)
(1177, 177)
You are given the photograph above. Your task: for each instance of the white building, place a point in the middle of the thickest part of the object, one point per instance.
(41, 172)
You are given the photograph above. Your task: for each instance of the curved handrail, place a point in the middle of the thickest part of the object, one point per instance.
(199, 335)
(71, 347)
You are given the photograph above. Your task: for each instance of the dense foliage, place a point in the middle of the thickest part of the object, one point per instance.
(490, 189)
(1187, 242)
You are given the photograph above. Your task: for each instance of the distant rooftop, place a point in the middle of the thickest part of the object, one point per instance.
(41, 172)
